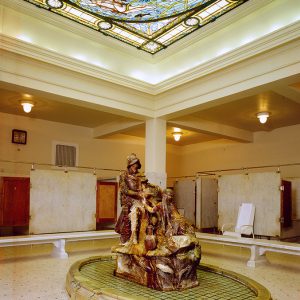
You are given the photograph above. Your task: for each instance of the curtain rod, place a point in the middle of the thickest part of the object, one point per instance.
(213, 172)
(188, 176)
(50, 165)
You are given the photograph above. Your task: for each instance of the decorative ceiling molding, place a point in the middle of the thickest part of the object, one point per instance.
(228, 84)
(74, 87)
(266, 43)
(29, 50)
(227, 19)
(79, 29)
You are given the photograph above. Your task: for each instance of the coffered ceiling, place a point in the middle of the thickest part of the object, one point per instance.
(281, 100)
(74, 77)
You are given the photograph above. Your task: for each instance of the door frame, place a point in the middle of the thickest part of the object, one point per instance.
(106, 220)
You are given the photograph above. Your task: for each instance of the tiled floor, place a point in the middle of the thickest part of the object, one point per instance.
(31, 273)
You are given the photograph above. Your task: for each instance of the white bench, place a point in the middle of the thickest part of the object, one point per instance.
(57, 239)
(258, 247)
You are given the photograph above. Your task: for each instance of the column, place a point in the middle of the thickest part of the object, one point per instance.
(155, 154)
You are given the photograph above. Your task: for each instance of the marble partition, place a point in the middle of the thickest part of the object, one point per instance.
(206, 203)
(62, 202)
(262, 189)
(184, 191)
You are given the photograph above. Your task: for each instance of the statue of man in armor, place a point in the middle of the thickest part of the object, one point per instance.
(131, 196)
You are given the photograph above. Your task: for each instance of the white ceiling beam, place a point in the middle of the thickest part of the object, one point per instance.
(216, 129)
(69, 84)
(117, 126)
(223, 86)
(288, 92)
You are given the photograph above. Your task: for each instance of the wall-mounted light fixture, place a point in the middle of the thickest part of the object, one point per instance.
(263, 116)
(177, 134)
(27, 105)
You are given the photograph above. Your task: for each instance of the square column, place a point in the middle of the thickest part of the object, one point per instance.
(155, 152)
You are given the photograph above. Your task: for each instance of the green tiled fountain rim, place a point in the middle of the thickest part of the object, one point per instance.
(80, 283)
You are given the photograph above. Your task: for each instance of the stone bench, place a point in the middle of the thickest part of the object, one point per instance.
(57, 239)
(258, 247)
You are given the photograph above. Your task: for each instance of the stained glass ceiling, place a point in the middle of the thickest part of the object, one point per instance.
(149, 25)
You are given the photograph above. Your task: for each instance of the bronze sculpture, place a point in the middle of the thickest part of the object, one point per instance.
(158, 246)
(130, 192)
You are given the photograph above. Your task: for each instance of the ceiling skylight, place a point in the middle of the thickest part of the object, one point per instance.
(149, 25)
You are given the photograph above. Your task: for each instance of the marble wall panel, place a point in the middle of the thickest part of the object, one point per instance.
(185, 198)
(62, 202)
(206, 202)
(209, 203)
(262, 189)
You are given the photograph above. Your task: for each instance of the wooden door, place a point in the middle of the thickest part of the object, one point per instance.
(14, 202)
(286, 204)
(107, 193)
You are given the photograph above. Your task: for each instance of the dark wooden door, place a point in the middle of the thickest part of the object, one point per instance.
(286, 203)
(107, 193)
(14, 204)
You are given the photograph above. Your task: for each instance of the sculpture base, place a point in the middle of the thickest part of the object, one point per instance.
(160, 273)
(92, 278)
(171, 266)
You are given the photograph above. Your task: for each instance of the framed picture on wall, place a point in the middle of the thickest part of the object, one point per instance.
(19, 136)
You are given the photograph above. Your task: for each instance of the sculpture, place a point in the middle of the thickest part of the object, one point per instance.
(158, 246)
(130, 193)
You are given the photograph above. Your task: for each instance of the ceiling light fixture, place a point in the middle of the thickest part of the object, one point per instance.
(27, 106)
(177, 135)
(263, 117)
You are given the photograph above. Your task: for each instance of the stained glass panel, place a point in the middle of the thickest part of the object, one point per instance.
(150, 25)
(138, 10)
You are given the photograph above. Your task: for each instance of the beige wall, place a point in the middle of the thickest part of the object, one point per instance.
(173, 163)
(40, 135)
(97, 153)
(280, 146)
